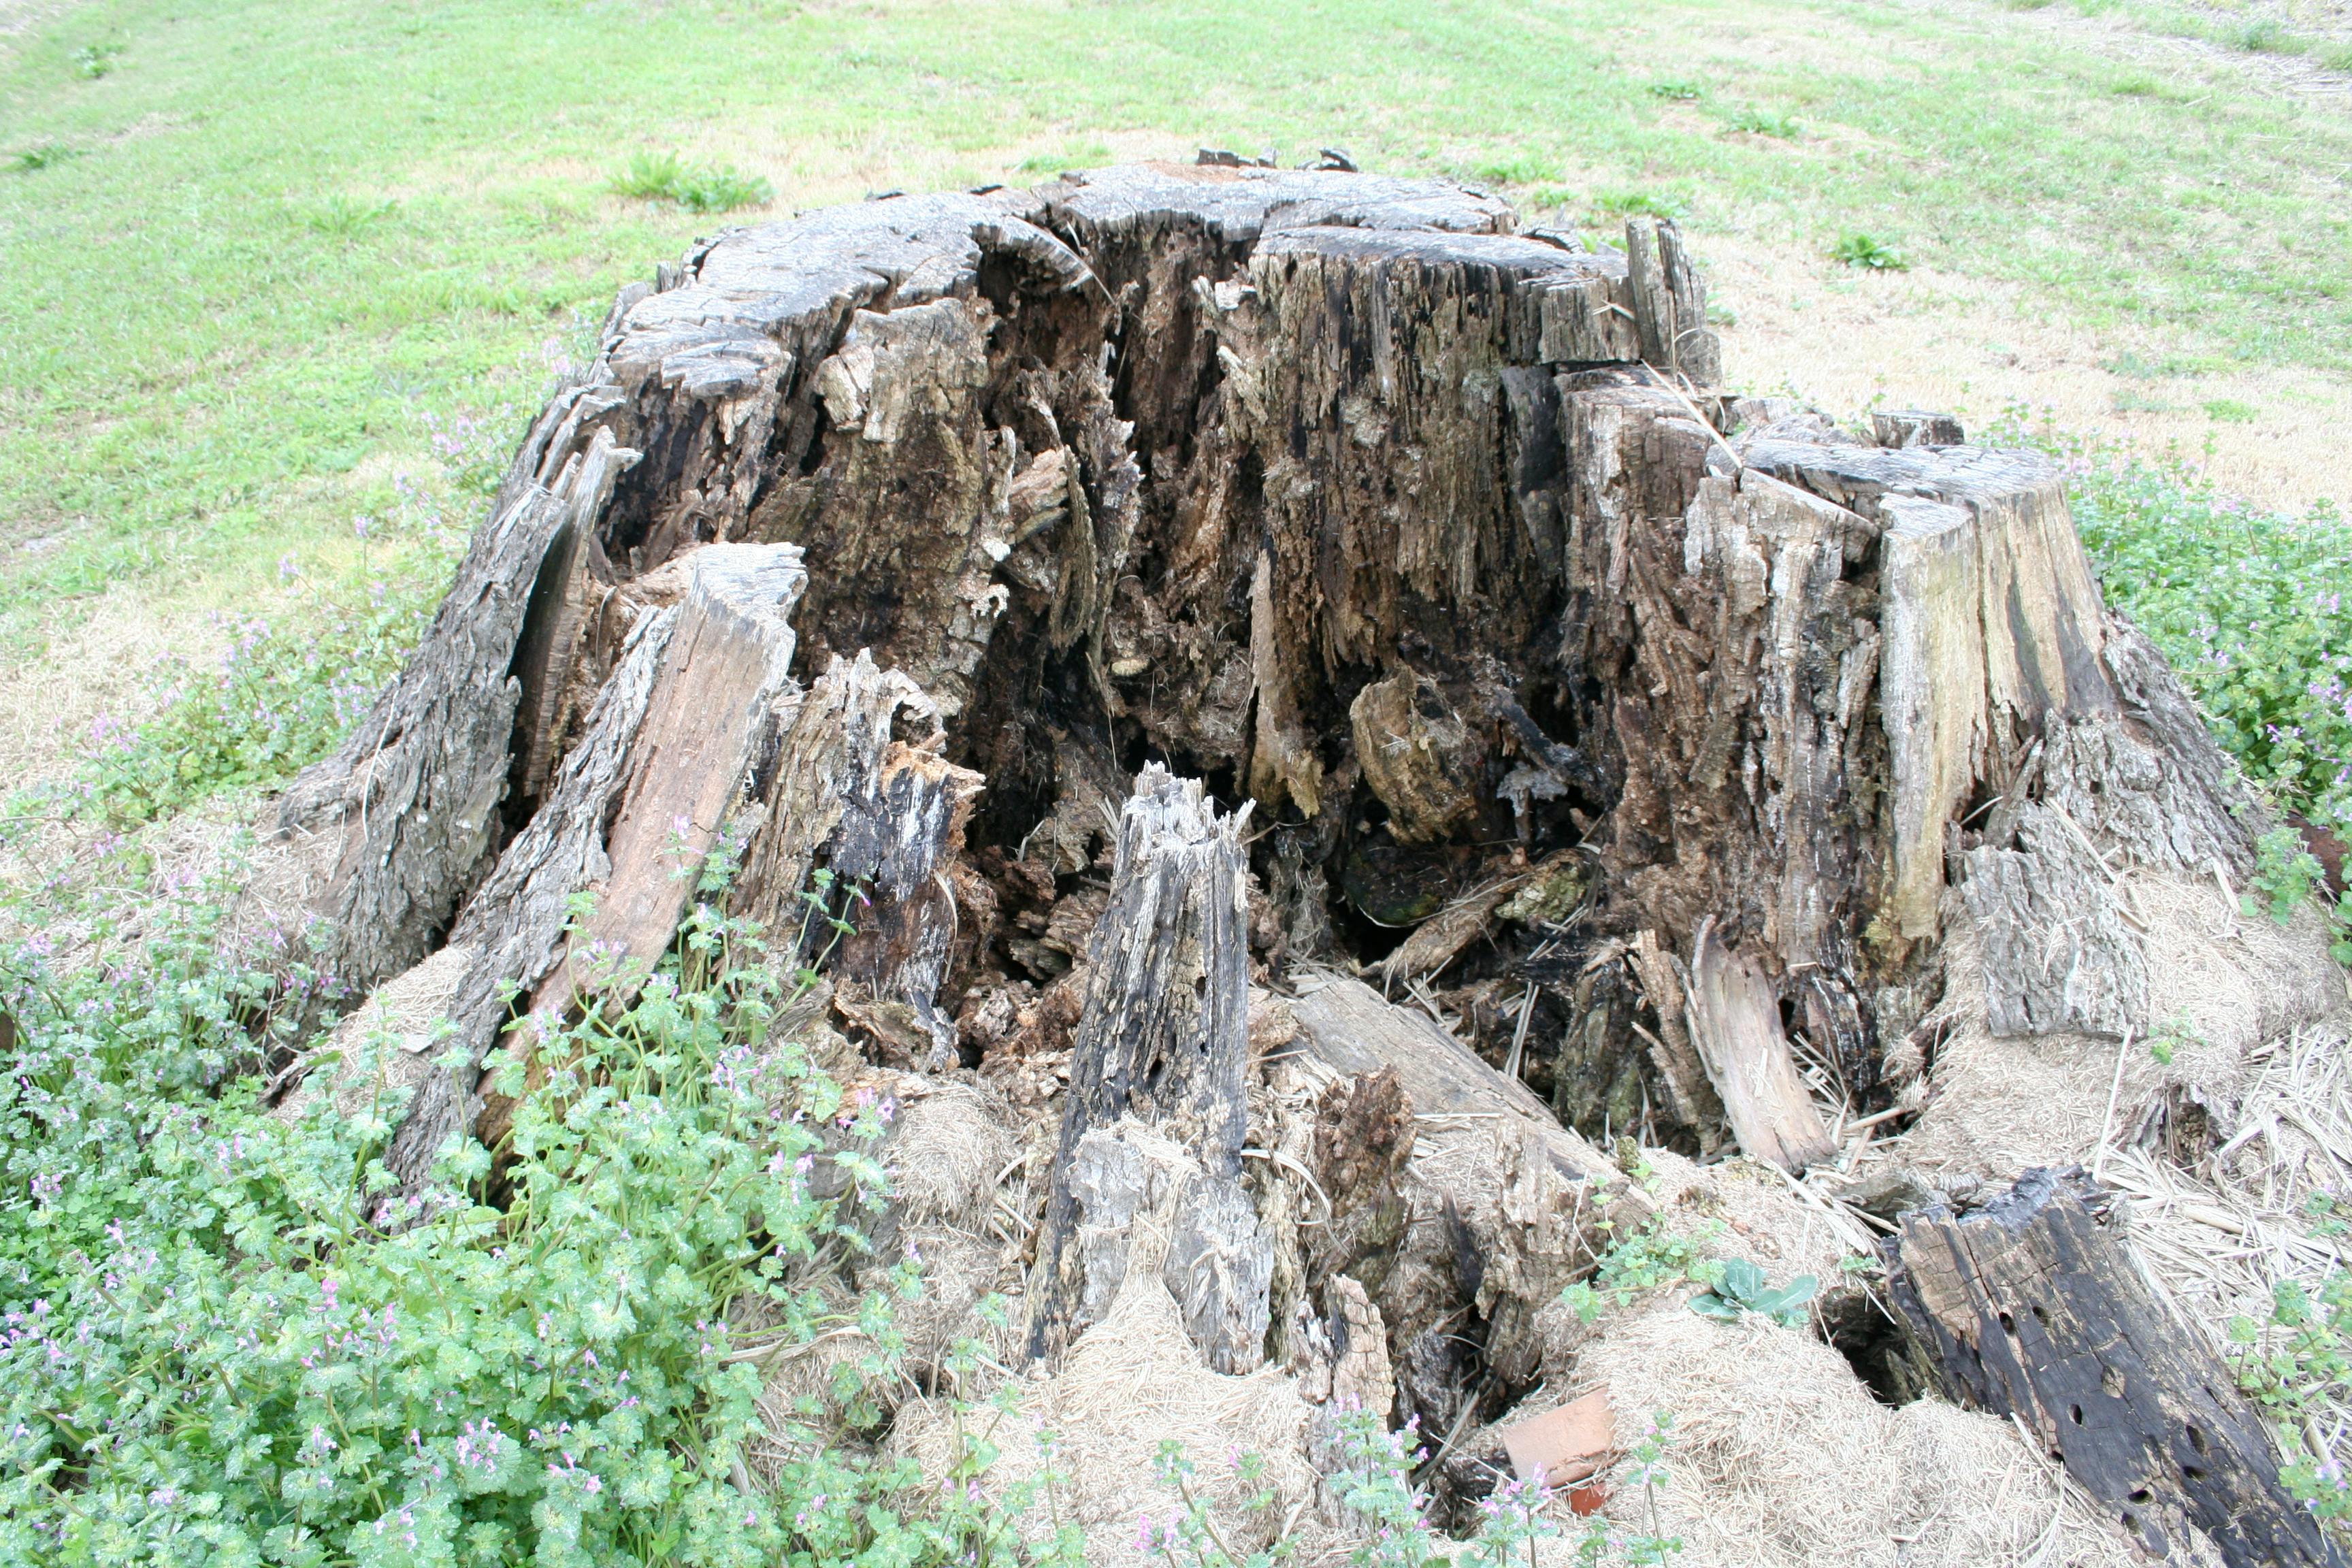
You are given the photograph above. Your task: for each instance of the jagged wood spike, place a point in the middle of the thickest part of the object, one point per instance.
(1163, 1039)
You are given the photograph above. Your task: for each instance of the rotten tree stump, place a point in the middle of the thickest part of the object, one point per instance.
(1657, 723)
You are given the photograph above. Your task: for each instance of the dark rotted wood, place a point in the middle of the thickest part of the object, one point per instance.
(1164, 1037)
(2029, 1307)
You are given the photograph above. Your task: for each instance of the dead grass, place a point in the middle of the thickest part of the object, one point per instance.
(108, 658)
(1845, 339)
(1782, 1459)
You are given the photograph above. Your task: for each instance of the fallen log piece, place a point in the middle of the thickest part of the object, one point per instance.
(1735, 1023)
(2029, 1307)
(1347, 1026)
(1161, 1045)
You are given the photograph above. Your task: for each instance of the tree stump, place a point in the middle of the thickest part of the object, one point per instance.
(1432, 544)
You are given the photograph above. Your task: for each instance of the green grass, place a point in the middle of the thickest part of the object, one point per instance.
(1868, 252)
(241, 263)
(665, 177)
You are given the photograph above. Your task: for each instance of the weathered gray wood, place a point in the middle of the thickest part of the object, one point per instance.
(1346, 1026)
(1696, 1104)
(1735, 1023)
(638, 807)
(1163, 1040)
(1915, 428)
(1433, 538)
(418, 788)
(712, 710)
(515, 923)
(1669, 303)
(2029, 1307)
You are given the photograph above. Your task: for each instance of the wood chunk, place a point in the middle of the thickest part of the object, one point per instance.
(1418, 757)
(1164, 1037)
(1345, 1025)
(1437, 941)
(1696, 1104)
(1735, 1023)
(2029, 1307)
(1669, 302)
(712, 706)
(663, 763)
(515, 921)
(1915, 428)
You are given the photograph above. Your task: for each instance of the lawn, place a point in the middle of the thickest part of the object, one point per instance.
(276, 278)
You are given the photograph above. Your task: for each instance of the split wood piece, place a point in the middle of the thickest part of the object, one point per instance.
(1670, 303)
(675, 775)
(515, 923)
(1346, 1026)
(1437, 941)
(1915, 428)
(1735, 1023)
(1163, 1042)
(418, 788)
(2029, 1307)
(712, 710)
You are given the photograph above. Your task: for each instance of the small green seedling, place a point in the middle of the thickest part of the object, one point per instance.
(1761, 122)
(1869, 252)
(1741, 1289)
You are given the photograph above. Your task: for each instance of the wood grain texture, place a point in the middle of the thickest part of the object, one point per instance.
(1735, 1023)
(1164, 1037)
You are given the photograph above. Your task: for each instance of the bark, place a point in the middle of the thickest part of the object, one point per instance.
(2029, 1307)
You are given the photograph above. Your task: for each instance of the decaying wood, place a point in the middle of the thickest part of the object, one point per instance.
(1346, 1026)
(712, 708)
(418, 787)
(515, 923)
(2028, 1306)
(1915, 428)
(1735, 1023)
(1435, 542)
(638, 805)
(1696, 1104)
(1162, 1044)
